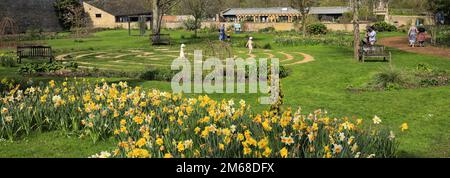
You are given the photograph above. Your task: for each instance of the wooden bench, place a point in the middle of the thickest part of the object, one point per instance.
(368, 51)
(33, 51)
(163, 39)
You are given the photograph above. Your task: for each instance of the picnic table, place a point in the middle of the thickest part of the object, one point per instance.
(34, 51)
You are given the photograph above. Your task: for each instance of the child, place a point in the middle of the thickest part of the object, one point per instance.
(229, 35)
(250, 45)
(182, 55)
(421, 37)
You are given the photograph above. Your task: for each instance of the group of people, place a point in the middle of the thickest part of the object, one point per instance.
(417, 35)
(223, 33)
(223, 36)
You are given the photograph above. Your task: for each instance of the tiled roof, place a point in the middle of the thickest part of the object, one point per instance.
(329, 10)
(285, 10)
(250, 11)
(122, 7)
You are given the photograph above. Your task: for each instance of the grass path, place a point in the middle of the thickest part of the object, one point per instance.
(162, 57)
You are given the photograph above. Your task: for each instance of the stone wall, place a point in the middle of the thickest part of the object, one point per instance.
(254, 27)
(31, 14)
(399, 20)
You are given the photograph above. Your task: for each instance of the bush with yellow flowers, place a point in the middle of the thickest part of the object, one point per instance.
(155, 124)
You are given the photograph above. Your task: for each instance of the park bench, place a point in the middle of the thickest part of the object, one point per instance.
(375, 51)
(163, 39)
(34, 51)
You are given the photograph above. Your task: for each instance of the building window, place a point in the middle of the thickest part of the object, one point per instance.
(98, 15)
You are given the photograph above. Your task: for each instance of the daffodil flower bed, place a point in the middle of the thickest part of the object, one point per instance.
(155, 124)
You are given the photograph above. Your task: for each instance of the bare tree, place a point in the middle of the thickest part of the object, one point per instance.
(198, 9)
(78, 20)
(356, 30)
(160, 8)
(304, 7)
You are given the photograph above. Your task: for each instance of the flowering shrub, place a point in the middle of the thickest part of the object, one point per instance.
(159, 124)
(8, 60)
(333, 39)
(384, 27)
(317, 29)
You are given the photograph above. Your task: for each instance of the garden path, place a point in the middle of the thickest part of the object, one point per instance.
(401, 43)
(118, 60)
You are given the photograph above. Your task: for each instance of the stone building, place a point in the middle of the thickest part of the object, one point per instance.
(117, 13)
(273, 14)
(280, 14)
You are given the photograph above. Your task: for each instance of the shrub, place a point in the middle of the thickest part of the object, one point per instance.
(7, 84)
(284, 72)
(443, 36)
(150, 123)
(191, 25)
(389, 76)
(267, 30)
(394, 79)
(158, 74)
(267, 46)
(334, 39)
(8, 60)
(316, 29)
(28, 69)
(384, 27)
(429, 77)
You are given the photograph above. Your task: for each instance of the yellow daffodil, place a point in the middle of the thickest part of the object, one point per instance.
(141, 142)
(267, 152)
(284, 152)
(287, 140)
(266, 125)
(138, 153)
(159, 141)
(263, 143)
(247, 151)
(168, 155)
(404, 127)
(180, 147)
(197, 130)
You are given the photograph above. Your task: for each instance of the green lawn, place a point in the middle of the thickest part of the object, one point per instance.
(53, 145)
(317, 85)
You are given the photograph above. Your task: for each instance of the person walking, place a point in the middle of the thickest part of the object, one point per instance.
(412, 34)
(422, 36)
(249, 45)
(222, 33)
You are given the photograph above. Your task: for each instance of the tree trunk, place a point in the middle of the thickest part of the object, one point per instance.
(156, 21)
(356, 30)
(304, 24)
(195, 30)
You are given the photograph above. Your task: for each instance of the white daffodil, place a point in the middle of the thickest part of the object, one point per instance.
(376, 120)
